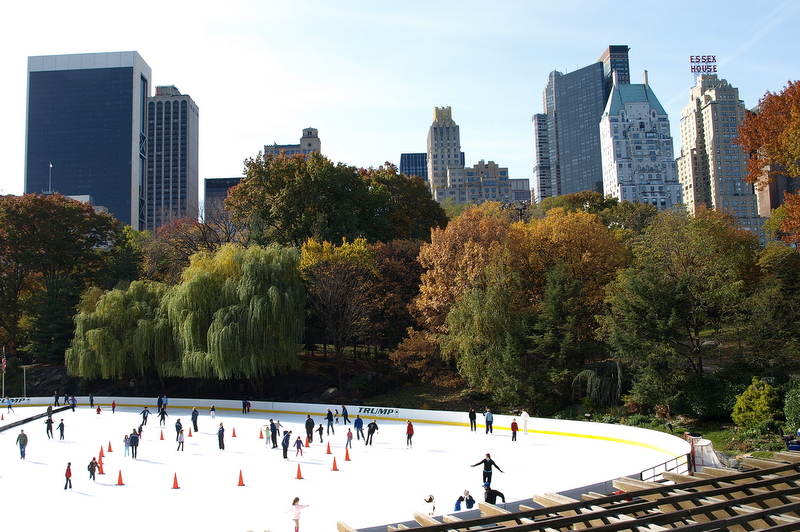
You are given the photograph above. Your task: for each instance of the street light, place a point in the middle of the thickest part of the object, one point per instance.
(520, 206)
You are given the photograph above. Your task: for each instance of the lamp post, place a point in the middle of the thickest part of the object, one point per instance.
(520, 206)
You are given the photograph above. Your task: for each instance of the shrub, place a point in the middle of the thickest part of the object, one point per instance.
(757, 406)
(791, 405)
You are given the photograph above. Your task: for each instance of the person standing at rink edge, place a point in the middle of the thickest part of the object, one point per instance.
(409, 433)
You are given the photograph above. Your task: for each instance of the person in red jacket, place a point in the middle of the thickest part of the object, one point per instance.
(409, 433)
(514, 429)
(68, 476)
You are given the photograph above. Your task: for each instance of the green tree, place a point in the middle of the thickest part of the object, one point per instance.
(239, 313)
(757, 406)
(125, 333)
(688, 277)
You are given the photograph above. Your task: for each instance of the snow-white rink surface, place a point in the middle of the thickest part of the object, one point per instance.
(381, 484)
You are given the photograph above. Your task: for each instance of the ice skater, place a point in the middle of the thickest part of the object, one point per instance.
(329, 419)
(68, 476)
(178, 428)
(409, 433)
(309, 428)
(8, 404)
(144, 413)
(213, 412)
(273, 429)
(525, 417)
(319, 430)
(60, 428)
(126, 442)
(345, 419)
(490, 495)
(473, 424)
(295, 509)
(285, 443)
(488, 463)
(55, 398)
(22, 441)
(221, 436)
(162, 416)
(514, 429)
(489, 418)
(195, 415)
(49, 427)
(372, 428)
(113, 406)
(349, 439)
(98, 411)
(133, 441)
(358, 424)
(180, 441)
(92, 467)
(298, 443)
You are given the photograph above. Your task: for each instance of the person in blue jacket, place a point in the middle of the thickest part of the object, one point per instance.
(285, 443)
(489, 419)
(195, 415)
(358, 424)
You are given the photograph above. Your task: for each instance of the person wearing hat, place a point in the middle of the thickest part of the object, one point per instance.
(490, 495)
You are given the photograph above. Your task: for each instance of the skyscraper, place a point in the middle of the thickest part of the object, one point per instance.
(711, 166)
(172, 157)
(87, 129)
(414, 164)
(566, 135)
(444, 148)
(309, 143)
(637, 152)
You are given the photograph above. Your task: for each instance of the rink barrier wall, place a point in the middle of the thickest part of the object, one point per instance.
(668, 444)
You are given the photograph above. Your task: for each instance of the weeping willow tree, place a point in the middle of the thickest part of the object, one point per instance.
(126, 333)
(239, 313)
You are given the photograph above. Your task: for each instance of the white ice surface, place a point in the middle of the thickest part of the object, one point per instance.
(381, 484)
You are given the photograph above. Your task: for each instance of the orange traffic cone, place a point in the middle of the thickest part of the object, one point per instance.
(334, 465)
(299, 475)
(241, 480)
(119, 479)
(346, 455)
(162, 435)
(100, 468)
(2, 418)
(307, 442)
(329, 448)
(109, 447)
(234, 433)
(175, 482)
(190, 432)
(101, 455)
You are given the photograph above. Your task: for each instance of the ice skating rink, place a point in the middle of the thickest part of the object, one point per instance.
(381, 484)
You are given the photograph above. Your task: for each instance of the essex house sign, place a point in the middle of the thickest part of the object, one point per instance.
(703, 64)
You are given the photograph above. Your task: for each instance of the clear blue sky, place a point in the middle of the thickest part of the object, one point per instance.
(368, 74)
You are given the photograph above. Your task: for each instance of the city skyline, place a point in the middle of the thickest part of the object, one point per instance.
(367, 76)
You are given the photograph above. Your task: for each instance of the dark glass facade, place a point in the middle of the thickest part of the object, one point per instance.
(82, 121)
(415, 164)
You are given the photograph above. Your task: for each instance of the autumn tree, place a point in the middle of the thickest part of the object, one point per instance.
(239, 313)
(341, 285)
(689, 275)
(53, 248)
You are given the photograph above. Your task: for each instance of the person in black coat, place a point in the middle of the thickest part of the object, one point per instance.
(285, 443)
(473, 426)
(273, 430)
(310, 428)
(133, 441)
(178, 428)
(490, 495)
(221, 436)
(195, 415)
(487, 468)
(372, 428)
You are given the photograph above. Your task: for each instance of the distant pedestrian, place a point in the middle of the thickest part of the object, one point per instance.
(329, 419)
(514, 429)
(298, 443)
(195, 416)
(349, 439)
(525, 417)
(91, 400)
(296, 507)
(488, 463)
(178, 428)
(345, 419)
(473, 424)
(221, 436)
(92, 467)
(409, 433)
(180, 441)
(126, 441)
(489, 420)
(319, 430)
(49, 427)
(113, 406)
(213, 412)
(8, 404)
(68, 476)
(55, 398)
(144, 413)
(358, 424)
(60, 428)
(372, 428)
(285, 443)
(133, 441)
(490, 495)
(22, 441)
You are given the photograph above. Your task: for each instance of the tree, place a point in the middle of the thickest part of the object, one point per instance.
(125, 333)
(688, 277)
(59, 246)
(239, 313)
(341, 284)
(758, 405)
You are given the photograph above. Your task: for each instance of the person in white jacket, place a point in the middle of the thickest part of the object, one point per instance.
(525, 417)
